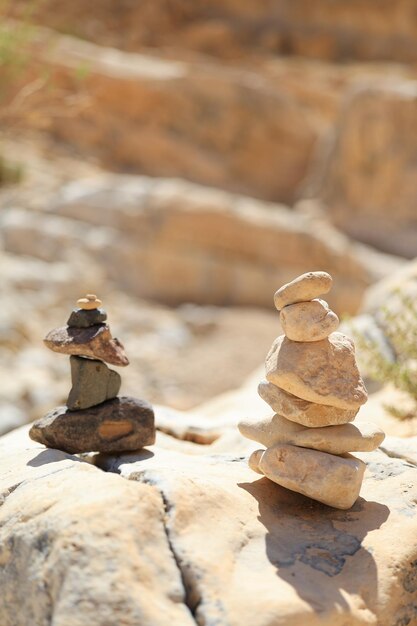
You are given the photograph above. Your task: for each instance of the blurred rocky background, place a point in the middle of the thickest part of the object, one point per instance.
(183, 160)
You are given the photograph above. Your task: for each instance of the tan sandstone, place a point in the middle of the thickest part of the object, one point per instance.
(197, 537)
(308, 321)
(321, 371)
(270, 431)
(330, 479)
(303, 288)
(302, 411)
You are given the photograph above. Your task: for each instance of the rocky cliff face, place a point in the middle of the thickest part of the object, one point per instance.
(264, 127)
(368, 182)
(362, 29)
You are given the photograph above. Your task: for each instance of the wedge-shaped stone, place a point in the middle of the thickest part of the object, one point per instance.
(92, 383)
(117, 425)
(308, 321)
(95, 342)
(320, 371)
(301, 411)
(270, 431)
(333, 480)
(303, 288)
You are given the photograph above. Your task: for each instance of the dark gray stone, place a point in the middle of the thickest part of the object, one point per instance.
(92, 383)
(80, 318)
(117, 425)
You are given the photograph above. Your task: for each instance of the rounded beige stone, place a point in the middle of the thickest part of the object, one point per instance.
(301, 411)
(303, 288)
(330, 479)
(308, 321)
(254, 460)
(89, 302)
(324, 371)
(273, 430)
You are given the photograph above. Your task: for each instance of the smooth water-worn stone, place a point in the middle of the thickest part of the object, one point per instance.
(95, 342)
(81, 318)
(90, 302)
(320, 371)
(308, 321)
(333, 480)
(302, 411)
(303, 288)
(92, 383)
(361, 437)
(254, 461)
(116, 425)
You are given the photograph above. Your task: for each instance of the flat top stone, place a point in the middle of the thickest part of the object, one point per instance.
(324, 371)
(303, 288)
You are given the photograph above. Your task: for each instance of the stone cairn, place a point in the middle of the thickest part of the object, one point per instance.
(315, 388)
(94, 418)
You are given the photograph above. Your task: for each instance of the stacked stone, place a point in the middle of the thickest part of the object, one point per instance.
(95, 418)
(315, 388)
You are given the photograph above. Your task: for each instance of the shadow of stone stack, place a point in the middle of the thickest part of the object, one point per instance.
(95, 418)
(314, 386)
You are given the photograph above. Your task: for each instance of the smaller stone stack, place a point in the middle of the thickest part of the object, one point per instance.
(315, 388)
(94, 419)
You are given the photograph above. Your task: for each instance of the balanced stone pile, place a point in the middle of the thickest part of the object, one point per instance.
(315, 388)
(94, 418)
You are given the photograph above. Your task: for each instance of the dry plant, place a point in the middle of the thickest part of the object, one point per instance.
(399, 322)
(29, 95)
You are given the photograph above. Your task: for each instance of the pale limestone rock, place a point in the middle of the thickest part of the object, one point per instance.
(303, 288)
(330, 479)
(89, 547)
(301, 411)
(308, 321)
(363, 437)
(321, 371)
(197, 540)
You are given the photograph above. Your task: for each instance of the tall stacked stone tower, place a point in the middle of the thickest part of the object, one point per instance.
(315, 388)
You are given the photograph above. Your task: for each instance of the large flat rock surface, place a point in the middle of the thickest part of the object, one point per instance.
(182, 533)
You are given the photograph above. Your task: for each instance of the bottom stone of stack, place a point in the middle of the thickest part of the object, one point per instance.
(330, 479)
(117, 425)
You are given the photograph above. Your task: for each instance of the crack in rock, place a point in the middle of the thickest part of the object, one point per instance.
(8, 492)
(192, 596)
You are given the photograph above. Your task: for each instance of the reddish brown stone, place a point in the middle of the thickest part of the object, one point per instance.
(95, 342)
